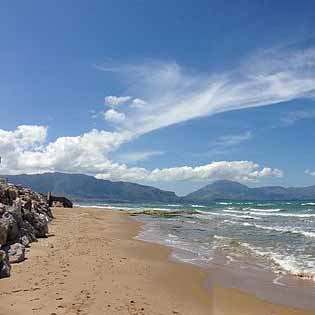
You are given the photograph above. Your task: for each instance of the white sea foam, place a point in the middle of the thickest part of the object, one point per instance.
(266, 210)
(296, 215)
(290, 264)
(219, 237)
(172, 236)
(209, 214)
(276, 281)
(198, 206)
(270, 212)
(307, 234)
(308, 204)
(108, 207)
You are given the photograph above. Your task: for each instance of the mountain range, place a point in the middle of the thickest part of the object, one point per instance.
(230, 190)
(79, 187)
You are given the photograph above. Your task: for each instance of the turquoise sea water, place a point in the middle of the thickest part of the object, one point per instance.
(273, 236)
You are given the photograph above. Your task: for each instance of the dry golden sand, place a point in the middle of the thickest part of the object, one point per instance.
(92, 265)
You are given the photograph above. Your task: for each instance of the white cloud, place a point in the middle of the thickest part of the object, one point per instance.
(309, 172)
(138, 103)
(133, 157)
(114, 116)
(89, 153)
(233, 170)
(116, 100)
(24, 136)
(23, 151)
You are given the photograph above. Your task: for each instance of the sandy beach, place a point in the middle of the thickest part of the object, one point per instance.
(91, 264)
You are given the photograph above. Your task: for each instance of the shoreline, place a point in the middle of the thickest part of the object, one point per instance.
(92, 264)
(281, 289)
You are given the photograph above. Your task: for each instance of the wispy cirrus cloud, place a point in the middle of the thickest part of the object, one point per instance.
(134, 157)
(174, 94)
(226, 143)
(292, 117)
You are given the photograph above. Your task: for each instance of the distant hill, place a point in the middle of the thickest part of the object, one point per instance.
(82, 187)
(230, 190)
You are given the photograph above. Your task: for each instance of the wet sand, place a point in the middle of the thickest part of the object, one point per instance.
(91, 264)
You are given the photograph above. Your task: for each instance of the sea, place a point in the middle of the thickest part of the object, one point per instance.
(257, 238)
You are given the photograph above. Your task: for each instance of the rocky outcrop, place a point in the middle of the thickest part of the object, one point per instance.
(60, 202)
(24, 217)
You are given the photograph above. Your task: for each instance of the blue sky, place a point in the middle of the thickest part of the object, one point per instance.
(172, 94)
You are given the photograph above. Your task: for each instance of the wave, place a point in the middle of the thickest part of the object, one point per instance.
(266, 210)
(207, 214)
(308, 204)
(271, 212)
(292, 265)
(247, 212)
(286, 230)
(288, 264)
(198, 206)
(297, 215)
(108, 207)
(280, 229)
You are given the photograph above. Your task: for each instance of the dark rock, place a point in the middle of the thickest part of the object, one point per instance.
(12, 226)
(5, 267)
(16, 253)
(25, 241)
(29, 231)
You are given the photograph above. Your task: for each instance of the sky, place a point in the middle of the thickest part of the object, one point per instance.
(174, 94)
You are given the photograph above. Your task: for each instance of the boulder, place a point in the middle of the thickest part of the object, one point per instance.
(12, 226)
(39, 223)
(27, 205)
(3, 232)
(5, 267)
(25, 241)
(10, 195)
(2, 209)
(28, 231)
(16, 253)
